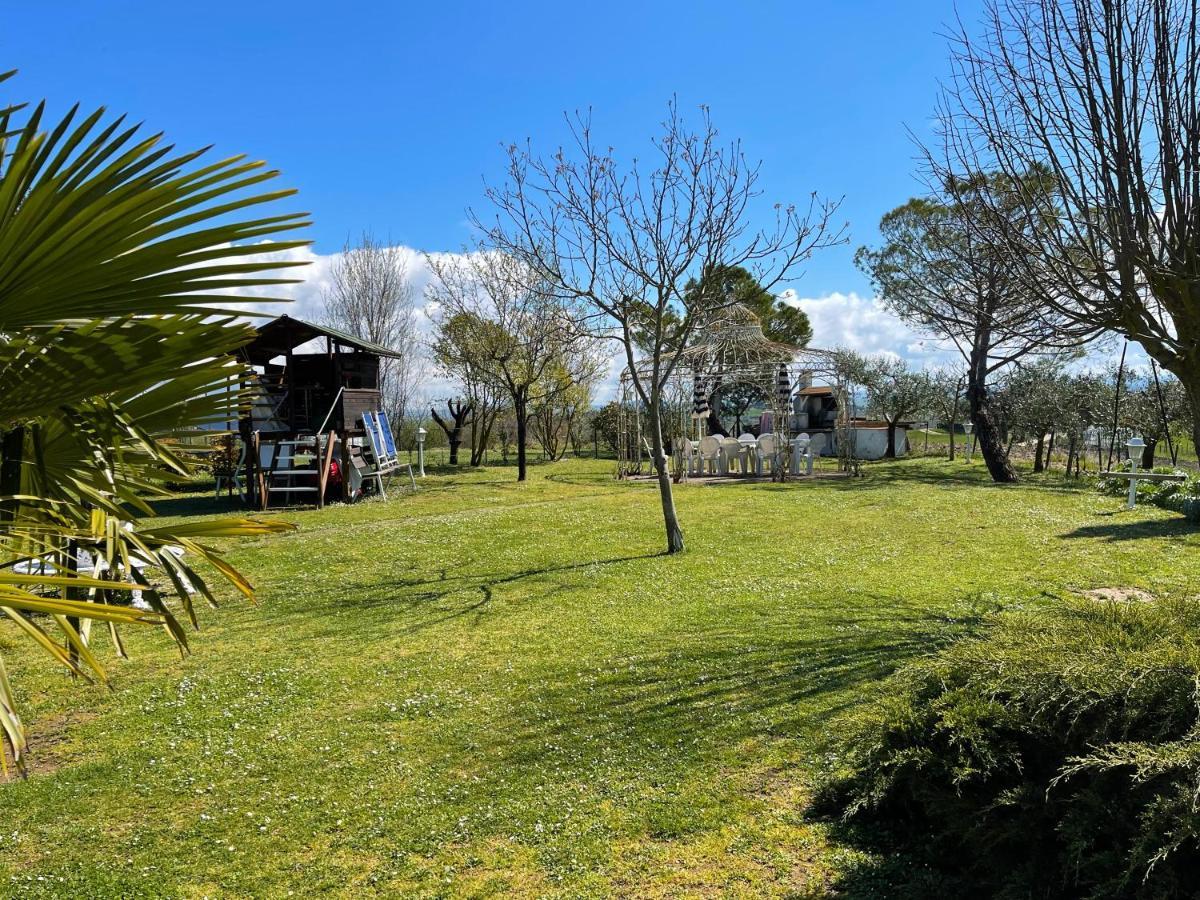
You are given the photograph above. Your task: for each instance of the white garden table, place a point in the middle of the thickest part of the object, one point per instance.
(1135, 476)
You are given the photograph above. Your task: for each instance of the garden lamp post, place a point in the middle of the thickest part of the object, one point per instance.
(969, 428)
(421, 432)
(1135, 445)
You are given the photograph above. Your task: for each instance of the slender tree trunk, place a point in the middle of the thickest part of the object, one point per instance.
(1038, 464)
(670, 518)
(1149, 453)
(1050, 450)
(481, 437)
(521, 412)
(890, 453)
(953, 425)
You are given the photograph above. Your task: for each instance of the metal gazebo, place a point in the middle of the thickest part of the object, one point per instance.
(733, 350)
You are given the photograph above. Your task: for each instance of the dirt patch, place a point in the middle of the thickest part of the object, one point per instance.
(46, 751)
(1119, 595)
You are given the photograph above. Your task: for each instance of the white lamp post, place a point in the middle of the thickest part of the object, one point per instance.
(1134, 446)
(421, 432)
(969, 428)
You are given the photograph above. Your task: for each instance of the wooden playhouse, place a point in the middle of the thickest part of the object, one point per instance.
(314, 385)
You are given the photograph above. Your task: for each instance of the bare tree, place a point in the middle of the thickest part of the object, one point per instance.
(497, 317)
(370, 296)
(460, 411)
(946, 266)
(623, 240)
(1106, 95)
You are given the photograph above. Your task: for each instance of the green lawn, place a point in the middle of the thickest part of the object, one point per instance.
(495, 689)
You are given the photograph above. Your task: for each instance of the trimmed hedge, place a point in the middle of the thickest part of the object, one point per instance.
(1058, 756)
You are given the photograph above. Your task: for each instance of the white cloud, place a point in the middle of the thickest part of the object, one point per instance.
(865, 325)
(307, 301)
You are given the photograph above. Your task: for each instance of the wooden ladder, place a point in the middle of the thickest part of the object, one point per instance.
(291, 482)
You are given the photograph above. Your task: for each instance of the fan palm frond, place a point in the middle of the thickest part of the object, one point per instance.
(118, 254)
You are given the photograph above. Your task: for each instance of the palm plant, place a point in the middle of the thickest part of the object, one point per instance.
(118, 255)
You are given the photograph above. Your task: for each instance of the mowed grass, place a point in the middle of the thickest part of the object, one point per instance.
(493, 689)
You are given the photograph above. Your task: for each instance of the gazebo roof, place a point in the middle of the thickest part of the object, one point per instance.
(732, 340)
(734, 336)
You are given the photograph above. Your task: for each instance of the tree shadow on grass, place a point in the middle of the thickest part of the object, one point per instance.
(426, 601)
(589, 479)
(1178, 528)
(712, 689)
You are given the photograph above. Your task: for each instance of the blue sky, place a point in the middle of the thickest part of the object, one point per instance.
(389, 116)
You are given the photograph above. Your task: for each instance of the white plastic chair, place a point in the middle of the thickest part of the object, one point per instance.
(710, 452)
(689, 456)
(800, 448)
(734, 452)
(750, 444)
(768, 446)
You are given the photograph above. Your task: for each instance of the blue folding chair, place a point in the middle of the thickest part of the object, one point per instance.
(385, 428)
(383, 450)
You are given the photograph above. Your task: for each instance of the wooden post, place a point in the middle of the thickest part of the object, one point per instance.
(251, 440)
(323, 478)
(345, 462)
(288, 379)
(263, 493)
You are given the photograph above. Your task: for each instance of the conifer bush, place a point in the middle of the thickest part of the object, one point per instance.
(1056, 756)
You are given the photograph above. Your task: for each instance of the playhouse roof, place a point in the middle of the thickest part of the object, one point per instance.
(279, 336)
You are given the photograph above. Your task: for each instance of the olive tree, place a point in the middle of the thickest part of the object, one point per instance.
(948, 401)
(497, 318)
(894, 391)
